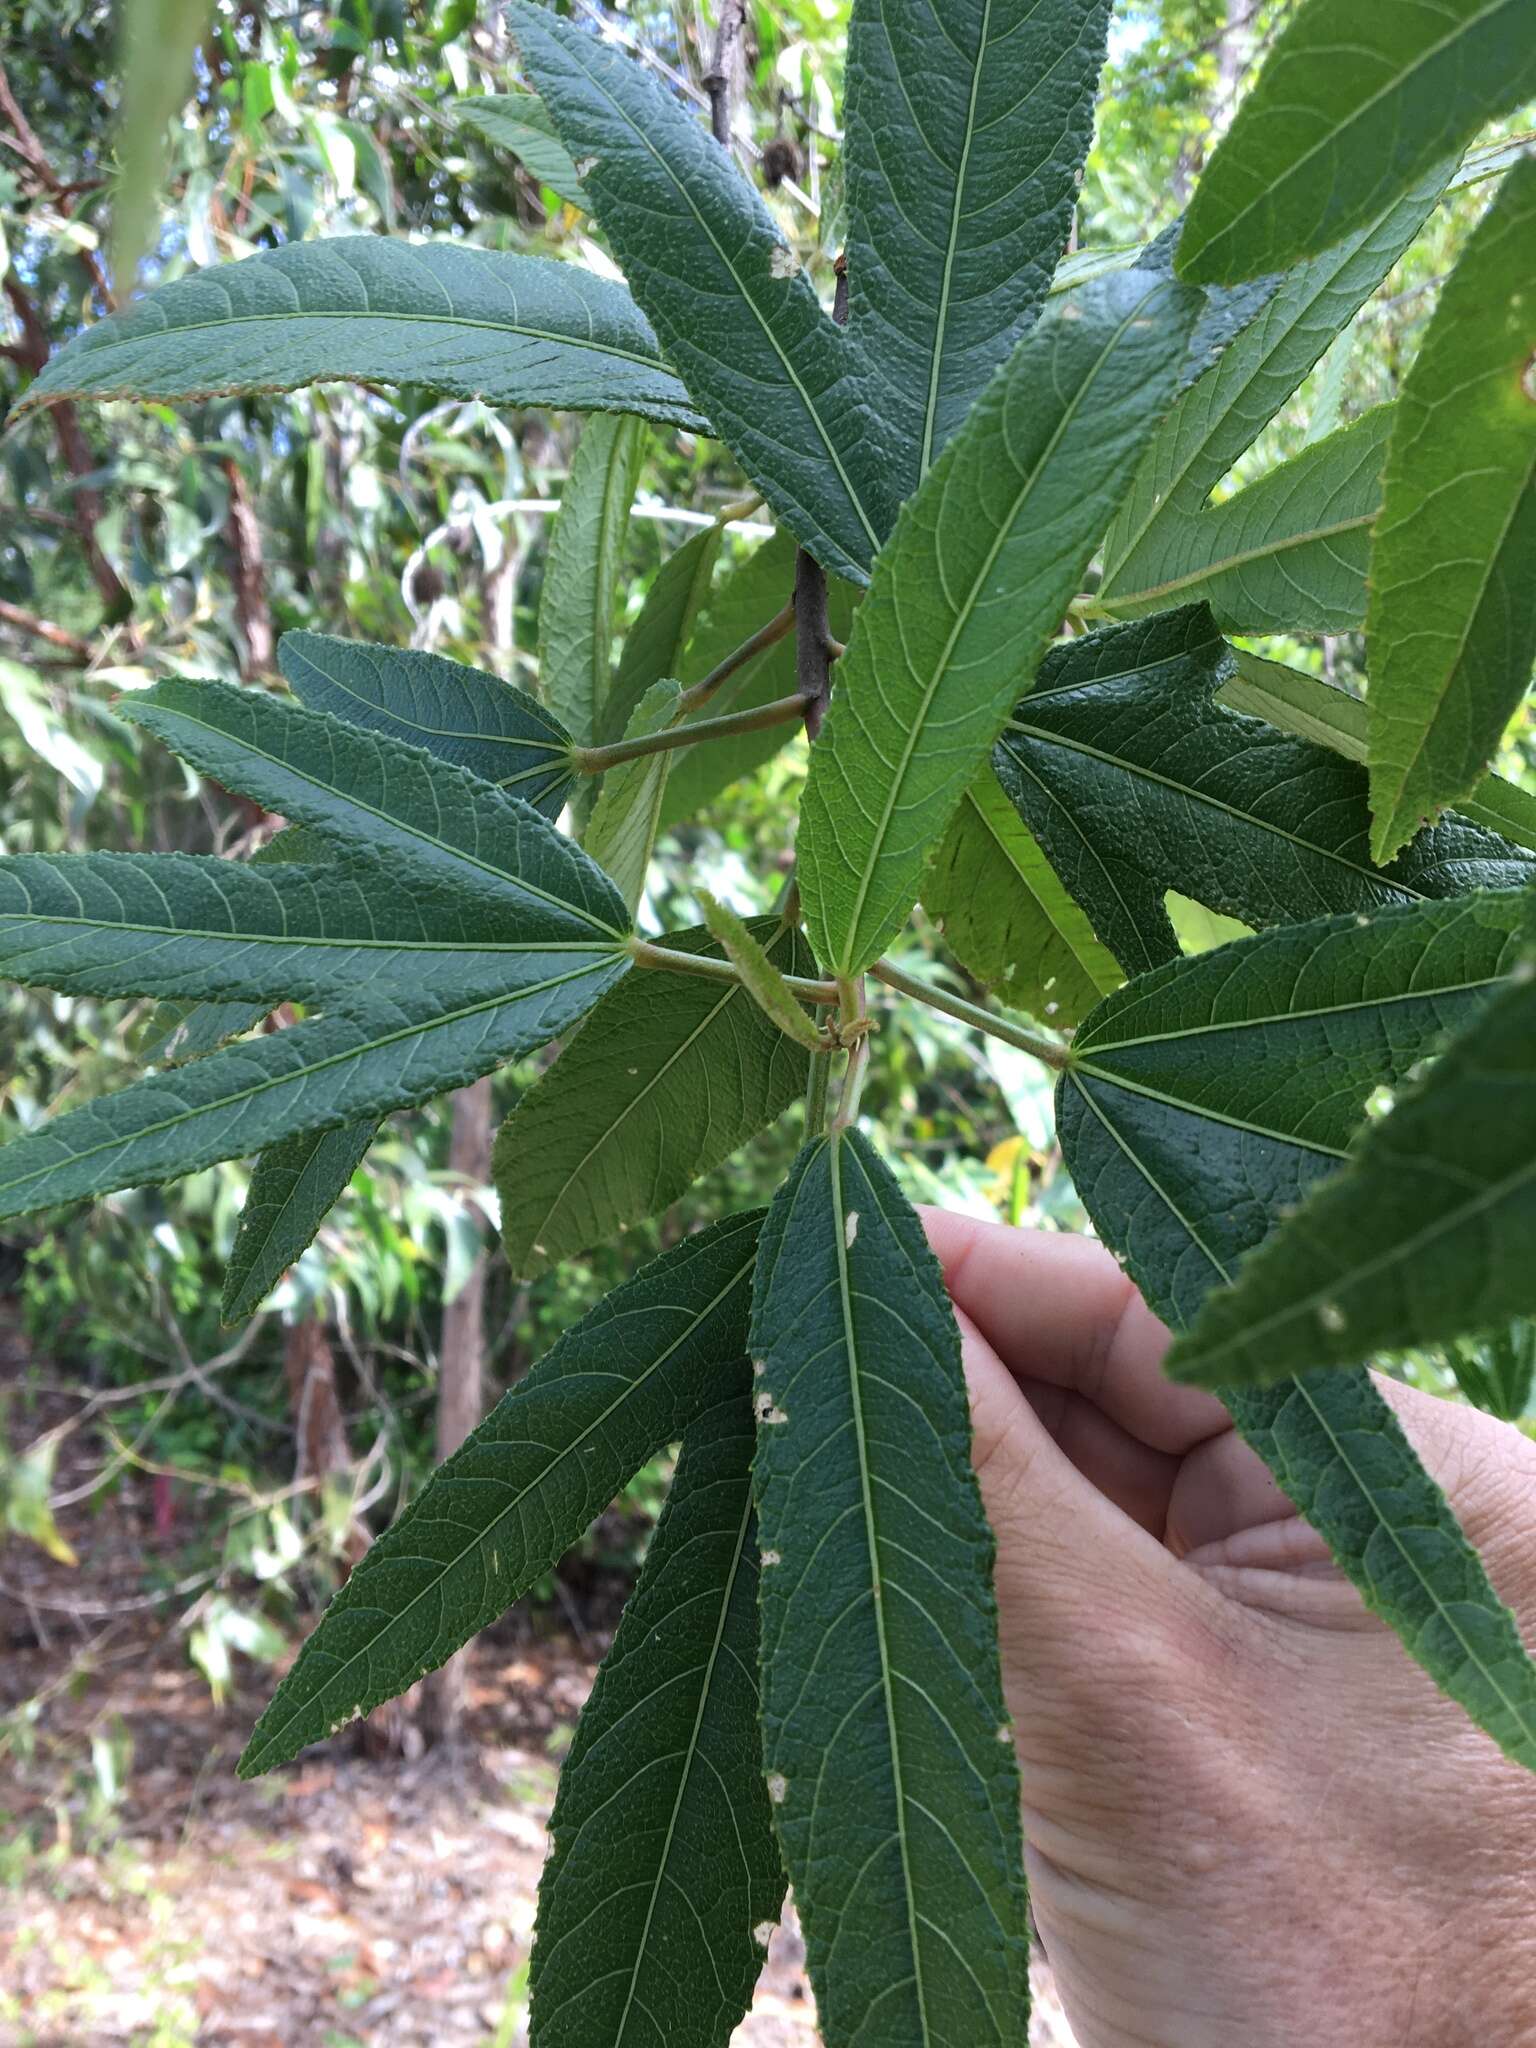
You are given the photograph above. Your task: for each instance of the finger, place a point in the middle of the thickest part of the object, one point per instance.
(1060, 1540)
(1224, 1490)
(1057, 1308)
(1138, 1480)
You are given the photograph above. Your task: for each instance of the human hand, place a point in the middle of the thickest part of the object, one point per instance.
(1252, 1821)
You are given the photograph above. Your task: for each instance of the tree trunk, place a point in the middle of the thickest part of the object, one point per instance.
(461, 1369)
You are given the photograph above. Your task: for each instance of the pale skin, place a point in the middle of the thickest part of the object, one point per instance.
(1252, 1820)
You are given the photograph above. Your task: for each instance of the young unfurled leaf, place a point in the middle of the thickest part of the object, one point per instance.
(664, 1875)
(984, 562)
(1452, 625)
(625, 1382)
(519, 122)
(1159, 533)
(881, 1689)
(350, 785)
(295, 1186)
(461, 714)
(622, 831)
(763, 981)
(1006, 916)
(1192, 1122)
(960, 193)
(1323, 712)
(1285, 554)
(668, 1077)
(475, 323)
(585, 554)
(1135, 780)
(702, 254)
(1352, 106)
(1427, 1233)
(654, 645)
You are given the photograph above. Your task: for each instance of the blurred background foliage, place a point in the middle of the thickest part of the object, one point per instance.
(139, 542)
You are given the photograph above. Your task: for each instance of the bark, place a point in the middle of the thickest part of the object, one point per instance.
(461, 1370)
(726, 78)
(252, 615)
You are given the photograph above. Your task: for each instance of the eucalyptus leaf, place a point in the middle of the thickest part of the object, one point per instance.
(616, 1389)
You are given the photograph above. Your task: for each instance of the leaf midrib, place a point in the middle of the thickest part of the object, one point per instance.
(171, 933)
(876, 1577)
(631, 1388)
(530, 744)
(1116, 600)
(1381, 876)
(690, 1755)
(946, 283)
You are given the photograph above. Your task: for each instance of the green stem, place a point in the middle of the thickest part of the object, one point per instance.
(645, 954)
(816, 1099)
(781, 623)
(852, 1013)
(1051, 1052)
(594, 760)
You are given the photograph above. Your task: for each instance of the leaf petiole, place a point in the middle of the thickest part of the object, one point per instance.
(1051, 1052)
(757, 718)
(646, 954)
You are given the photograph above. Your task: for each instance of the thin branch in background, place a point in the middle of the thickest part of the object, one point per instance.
(78, 650)
(726, 78)
(252, 614)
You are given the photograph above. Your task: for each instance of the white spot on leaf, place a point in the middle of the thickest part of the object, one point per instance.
(762, 1933)
(771, 1557)
(778, 1787)
(850, 1229)
(1332, 1318)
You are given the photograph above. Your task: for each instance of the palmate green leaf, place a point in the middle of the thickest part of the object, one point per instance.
(744, 600)
(622, 830)
(475, 323)
(1156, 534)
(960, 193)
(669, 1076)
(1287, 554)
(625, 1382)
(519, 122)
(885, 1736)
(353, 785)
(653, 647)
(743, 328)
(1426, 1235)
(461, 714)
(295, 1186)
(1192, 1123)
(343, 1068)
(1323, 712)
(1006, 916)
(1352, 106)
(582, 571)
(984, 562)
(1452, 621)
(664, 1875)
(1135, 780)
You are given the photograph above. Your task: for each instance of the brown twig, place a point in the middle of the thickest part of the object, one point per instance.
(250, 577)
(726, 76)
(78, 650)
